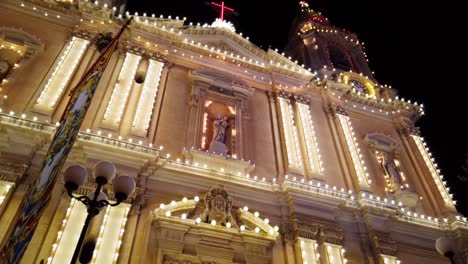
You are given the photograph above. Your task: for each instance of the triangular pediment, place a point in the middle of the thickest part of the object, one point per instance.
(225, 41)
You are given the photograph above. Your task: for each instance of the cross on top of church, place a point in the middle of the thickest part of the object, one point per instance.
(222, 7)
(303, 4)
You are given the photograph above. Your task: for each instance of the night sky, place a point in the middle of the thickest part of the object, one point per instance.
(412, 48)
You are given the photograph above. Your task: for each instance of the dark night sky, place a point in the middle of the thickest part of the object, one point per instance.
(413, 48)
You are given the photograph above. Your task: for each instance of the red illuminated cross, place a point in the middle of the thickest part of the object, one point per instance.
(222, 7)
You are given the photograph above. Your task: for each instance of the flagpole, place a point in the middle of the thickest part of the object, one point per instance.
(38, 196)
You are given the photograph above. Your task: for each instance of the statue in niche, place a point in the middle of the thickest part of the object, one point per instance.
(220, 126)
(391, 172)
(4, 69)
(218, 205)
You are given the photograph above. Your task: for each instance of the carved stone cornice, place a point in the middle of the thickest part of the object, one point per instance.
(330, 234)
(305, 230)
(83, 34)
(332, 110)
(340, 110)
(213, 80)
(12, 172)
(158, 56)
(169, 259)
(301, 99)
(407, 129)
(384, 245)
(319, 232)
(132, 48)
(283, 94)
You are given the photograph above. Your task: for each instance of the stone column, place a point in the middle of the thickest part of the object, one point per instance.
(130, 234)
(32, 101)
(55, 226)
(339, 143)
(44, 226)
(133, 99)
(88, 58)
(108, 87)
(194, 106)
(276, 135)
(143, 248)
(425, 183)
(101, 89)
(11, 210)
(159, 102)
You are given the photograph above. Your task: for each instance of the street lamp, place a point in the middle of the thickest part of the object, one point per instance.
(446, 247)
(104, 171)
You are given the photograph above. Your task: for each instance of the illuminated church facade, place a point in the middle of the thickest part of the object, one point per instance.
(240, 155)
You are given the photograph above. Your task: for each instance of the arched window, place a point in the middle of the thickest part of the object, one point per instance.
(339, 57)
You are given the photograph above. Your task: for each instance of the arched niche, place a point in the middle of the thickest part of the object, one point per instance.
(217, 94)
(17, 48)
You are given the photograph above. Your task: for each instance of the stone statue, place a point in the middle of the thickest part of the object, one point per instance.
(4, 68)
(218, 206)
(391, 172)
(219, 128)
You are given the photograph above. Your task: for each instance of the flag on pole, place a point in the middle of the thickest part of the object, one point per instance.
(39, 195)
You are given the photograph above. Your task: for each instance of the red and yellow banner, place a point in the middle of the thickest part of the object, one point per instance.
(39, 195)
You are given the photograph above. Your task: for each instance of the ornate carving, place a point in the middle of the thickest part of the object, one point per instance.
(172, 235)
(284, 94)
(218, 206)
(256, 250)
(157, 56)
(406, 128)
(221, 47)
(12, 172)
(83, 34)
(301, 99)
(168, 259)
(340, 110)
(305, 230)
(384, 246)
(132, 48)
(332, 235)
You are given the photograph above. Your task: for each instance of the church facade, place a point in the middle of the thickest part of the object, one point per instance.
(240, 155)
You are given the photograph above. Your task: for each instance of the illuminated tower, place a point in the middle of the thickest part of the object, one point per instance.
(316, 43)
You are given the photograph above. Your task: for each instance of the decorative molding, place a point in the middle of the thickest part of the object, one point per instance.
(12, 172)
(330, 234)
(218, 206)
(170, 259)
(305, 230)
(406, 128)
(319, 232)
(384, 245)
(84, 34)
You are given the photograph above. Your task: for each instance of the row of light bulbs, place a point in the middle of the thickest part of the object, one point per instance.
(98, 240)
(168, 213)
(342, 192)
(300, 68)
(434, 171)
(130, 140)
(332, 189)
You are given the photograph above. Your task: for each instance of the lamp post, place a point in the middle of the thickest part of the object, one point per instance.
(446, 247)
(104, 171)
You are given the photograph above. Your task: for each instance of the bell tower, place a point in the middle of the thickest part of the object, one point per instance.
(316, 43)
